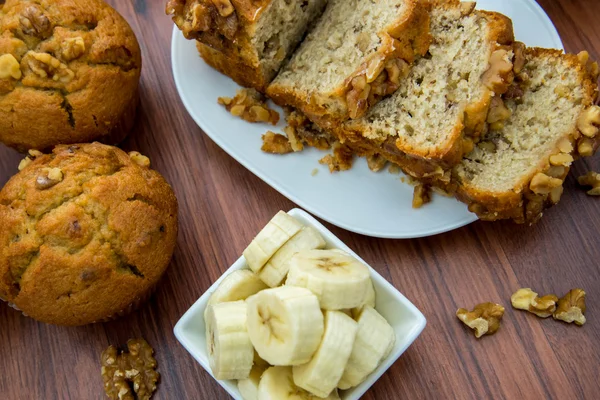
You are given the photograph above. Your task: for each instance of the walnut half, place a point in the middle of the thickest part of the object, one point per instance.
(528, 300)
(571, 307)
(484, 318)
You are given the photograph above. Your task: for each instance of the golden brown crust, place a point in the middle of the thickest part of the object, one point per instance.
(407, 38)
(87, 232)
(235, 68)
(521, 203)
(79, 67)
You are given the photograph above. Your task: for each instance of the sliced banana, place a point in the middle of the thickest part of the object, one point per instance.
(320, 376)
(276, 269)
(281, 228)
(277, 384)
(375, 339)
(285, 324)
(338, 279)
(369, 301)
(230, 350)
(238, 285)
(249, 387)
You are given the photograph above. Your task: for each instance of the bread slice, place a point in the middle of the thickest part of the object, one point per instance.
(356, 53)
(518, 170)
(440, 109)
(255, 35)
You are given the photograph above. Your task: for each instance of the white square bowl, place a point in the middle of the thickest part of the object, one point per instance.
(408, 322)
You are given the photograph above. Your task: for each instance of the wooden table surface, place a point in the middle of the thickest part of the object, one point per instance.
(222, 206)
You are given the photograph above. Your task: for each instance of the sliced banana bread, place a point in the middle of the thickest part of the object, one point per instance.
(357, 52)
(440, 109)
(254, 36)
(518, 170)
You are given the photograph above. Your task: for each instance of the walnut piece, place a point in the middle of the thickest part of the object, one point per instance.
(544, 184)
(357, 97)
(421, 196)
(72, 48)
(591, 67)
(591, 179)
(484, 318)
(224, 7)
(497, 114)
(571, 307)
(46, 66)
(139, 159)
(293, 138)
(496, 77)
(519, 60)
(588, 121)
(585, 147)
(528, 300)
(49, 178)
(137, 366)
(562, 159)
(9, 67)
(34, 22)
(467, 7)
(376, 162)
(341, 160)
(275, 143)
(251, 106)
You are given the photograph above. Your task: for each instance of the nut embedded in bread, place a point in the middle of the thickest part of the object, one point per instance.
(517, 171)
(87, 232)
(69, 73)
(440, 109)
(358, 52)
(247, 40)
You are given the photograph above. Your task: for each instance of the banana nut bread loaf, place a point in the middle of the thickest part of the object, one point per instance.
(442, 106)
(358, 52)
(250, 39)
(87, 232)
(69, 73)
(518, 169)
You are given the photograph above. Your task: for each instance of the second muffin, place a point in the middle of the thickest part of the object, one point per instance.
(69, 73)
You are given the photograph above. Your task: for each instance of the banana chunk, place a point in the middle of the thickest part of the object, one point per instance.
(374, 341)
(249, 387)
(369, 301)
(238, 285)
(339, 280)
(281, 228)
(230, 350)
(276, 269)
(285, 325)
(320, 376)
(277, 384)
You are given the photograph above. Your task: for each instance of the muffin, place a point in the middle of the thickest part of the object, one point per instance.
(69, 73)
(87, 232)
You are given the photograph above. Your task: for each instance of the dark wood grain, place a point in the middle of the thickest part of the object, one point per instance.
(223, 206)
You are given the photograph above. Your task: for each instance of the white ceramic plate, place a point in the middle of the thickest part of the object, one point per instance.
(357, 200)
(408, 322)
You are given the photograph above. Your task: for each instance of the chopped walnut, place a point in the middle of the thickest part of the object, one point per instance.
(562, 159)
(589, 121)
(376, 162)
(293, 138)
(139, 159)
(72, 48)
(224, 7)
(421, 196)
(591, 66)
(357, 96)
(138, 366)
(46, 66)
(528, 300)
(9, 67)
(571, 307)
(519, 60)
(49, 178)
(495, 78)
(497, 114)
(484, 319)
(394, 169)
(591, 179)
(585, 147)
(34, 22)
(544, 184)
(341, 160)
(251, 106)
(467, 7)
(276, 143)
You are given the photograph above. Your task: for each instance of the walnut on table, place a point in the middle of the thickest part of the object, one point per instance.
(571, 307)
(484, 319)
(129, 375)
(528, 300)
(591, 179)
(251, 106)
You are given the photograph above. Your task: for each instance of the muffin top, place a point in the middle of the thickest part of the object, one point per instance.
(87, 231)
(69, 70)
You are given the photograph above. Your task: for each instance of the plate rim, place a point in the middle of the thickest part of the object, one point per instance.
(203, 122)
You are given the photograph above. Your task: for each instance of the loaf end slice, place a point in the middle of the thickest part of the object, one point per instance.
(518, 170)
(357, 53)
